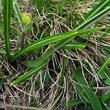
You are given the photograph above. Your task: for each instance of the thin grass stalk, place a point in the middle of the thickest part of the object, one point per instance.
(6, 20)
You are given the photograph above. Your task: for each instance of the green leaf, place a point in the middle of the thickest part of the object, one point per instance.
(17, 12)
(106, 50)
(87, 90)
(6, 21)
(102, 68)
(28, 74)
(105, 96)
(74, 46)
(72, 103)
(52, 39)
(107, 82)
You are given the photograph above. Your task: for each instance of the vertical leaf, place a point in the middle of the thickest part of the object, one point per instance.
(6, 19)
(11, 7)
(17, 12)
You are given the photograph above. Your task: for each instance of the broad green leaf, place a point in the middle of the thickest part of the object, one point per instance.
(106, 50)
(87, 90)
(6, 22)
(72, 103)
(74, 46)
(107, 82)
(105, 96)
(28, 74)
(52, 39)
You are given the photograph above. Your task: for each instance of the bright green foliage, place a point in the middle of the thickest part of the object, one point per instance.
(26, 17)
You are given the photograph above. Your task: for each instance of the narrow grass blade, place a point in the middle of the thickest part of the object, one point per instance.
(97, 9)
(74, 46)
(52, 39)
(72, 103)
(28, 74)
(87, 90)
(6, 21)
(15, 31)
(11, 7)
(94, 19)
(17, 12)
(0, 6)
(101, 69)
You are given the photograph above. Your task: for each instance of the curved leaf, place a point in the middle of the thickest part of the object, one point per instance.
(52, 39)
(96, 105)
(28, 74)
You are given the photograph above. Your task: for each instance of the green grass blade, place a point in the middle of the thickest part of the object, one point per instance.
(52, 39)
(97, 9)
(17, 12)
(94, 19)
(102, 69)
(11, 8)
(6, 21)
(0, 6)
(74, 46)
(87, 90)
(28, 74)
